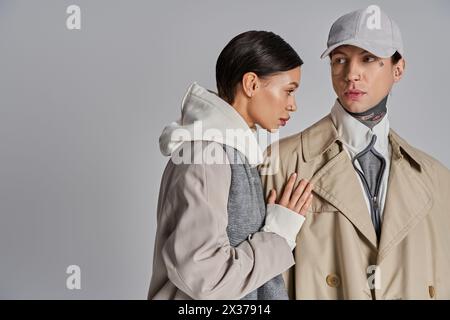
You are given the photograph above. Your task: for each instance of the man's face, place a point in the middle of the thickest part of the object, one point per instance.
(360, 79)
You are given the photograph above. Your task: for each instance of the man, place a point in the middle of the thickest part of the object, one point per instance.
(380, 219)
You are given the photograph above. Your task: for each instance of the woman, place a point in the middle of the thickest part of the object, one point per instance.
(214, 240)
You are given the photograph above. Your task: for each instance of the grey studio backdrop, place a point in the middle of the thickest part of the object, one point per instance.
(81, 112)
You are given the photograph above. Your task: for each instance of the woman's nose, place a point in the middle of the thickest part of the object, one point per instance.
(292, 106)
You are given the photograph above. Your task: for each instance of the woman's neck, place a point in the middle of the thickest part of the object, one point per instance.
(241, 106)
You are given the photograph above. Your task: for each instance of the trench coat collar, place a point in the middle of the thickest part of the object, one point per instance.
(323, 134)
(336, 182)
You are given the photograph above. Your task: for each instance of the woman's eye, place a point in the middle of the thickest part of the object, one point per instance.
(290, 92)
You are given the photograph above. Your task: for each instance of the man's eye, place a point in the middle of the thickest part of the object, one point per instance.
(369, 59)
(339, 61)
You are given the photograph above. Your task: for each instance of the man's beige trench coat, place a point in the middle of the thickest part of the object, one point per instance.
(337, 254)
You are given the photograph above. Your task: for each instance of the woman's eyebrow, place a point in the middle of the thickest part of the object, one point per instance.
(295, 83)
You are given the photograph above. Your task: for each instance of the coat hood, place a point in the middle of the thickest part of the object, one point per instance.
(207, 117)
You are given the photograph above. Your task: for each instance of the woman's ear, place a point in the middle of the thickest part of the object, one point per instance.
(250, 83)
(399, 69)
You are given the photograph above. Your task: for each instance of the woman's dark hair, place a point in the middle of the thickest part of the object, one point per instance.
(261, 52)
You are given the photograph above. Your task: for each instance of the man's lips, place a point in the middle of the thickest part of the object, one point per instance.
(354, 94)
(283, 121)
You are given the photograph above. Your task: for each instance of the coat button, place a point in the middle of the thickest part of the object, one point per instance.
(333, 280)
(431, 291)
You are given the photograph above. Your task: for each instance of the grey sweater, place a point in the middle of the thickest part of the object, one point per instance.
(246, 215)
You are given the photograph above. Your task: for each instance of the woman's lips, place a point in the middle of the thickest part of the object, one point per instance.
(354, 95)
(283, 121)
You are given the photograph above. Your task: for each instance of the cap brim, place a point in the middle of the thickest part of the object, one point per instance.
(370, 47)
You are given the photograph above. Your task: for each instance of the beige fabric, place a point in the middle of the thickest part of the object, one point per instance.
(193, 258)
(337, 248)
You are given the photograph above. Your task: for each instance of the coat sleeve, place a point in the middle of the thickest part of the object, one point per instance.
(197, 253)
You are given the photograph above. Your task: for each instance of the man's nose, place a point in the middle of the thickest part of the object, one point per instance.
(353, 72)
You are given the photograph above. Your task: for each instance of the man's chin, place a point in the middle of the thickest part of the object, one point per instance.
(354, 106)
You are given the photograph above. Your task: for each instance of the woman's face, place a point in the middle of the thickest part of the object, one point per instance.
(274, 100)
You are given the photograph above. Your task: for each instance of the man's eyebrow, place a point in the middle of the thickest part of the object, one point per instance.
(343, 53)
(364, 52)
(338, 52)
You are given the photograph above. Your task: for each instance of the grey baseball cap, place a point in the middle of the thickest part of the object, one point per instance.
(369, 29)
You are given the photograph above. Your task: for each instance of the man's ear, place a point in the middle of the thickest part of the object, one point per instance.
(399, 69)
(250, 83)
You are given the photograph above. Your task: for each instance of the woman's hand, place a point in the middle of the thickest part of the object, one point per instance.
(298, 200)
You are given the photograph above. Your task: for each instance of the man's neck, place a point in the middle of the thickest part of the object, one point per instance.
(372, 116)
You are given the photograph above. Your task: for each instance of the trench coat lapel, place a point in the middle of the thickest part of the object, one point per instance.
(408, 200)
(336, 181)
